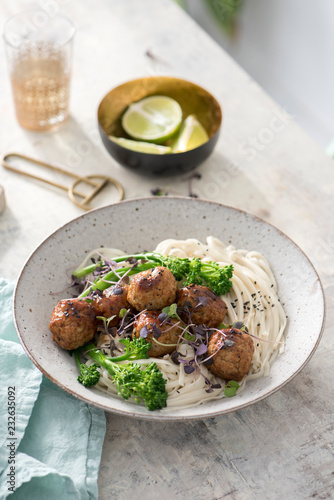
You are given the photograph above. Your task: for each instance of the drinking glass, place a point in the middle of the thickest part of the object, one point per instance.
(39, 53)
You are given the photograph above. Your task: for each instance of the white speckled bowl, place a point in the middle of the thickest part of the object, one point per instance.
(138, 225)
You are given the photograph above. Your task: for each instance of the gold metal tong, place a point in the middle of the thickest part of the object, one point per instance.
(97, 182)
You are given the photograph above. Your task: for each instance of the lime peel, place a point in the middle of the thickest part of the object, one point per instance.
(140, 146)
(154, 119)
(192, 135)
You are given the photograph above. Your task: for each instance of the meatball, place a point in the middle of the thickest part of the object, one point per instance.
(111, 302)
(205, 307)
(166, 331)
(234, 351)
(72, 323)
(153, 289)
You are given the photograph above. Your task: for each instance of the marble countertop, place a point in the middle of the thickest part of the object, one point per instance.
(264, 163)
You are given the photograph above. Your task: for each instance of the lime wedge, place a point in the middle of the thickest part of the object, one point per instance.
(192, 134)
(152, 119)
(141, 147)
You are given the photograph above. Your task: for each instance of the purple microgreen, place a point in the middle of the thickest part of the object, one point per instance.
(188, 369)
(199, 331)
(238, 325)
(156, 331)
(201, 349)
(117, 290)
(201, 301)
(162, 317)
(183, 361)
(207, 361)
(175, 357)
(144, 332)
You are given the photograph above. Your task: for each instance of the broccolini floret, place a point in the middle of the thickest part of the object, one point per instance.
(144, 383)
(133, 349)
(210, 274)
(89, 375)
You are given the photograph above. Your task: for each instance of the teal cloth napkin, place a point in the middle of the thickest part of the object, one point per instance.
(50, 442)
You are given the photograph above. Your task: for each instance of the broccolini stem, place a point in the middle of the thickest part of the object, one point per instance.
(100, 358)
(80, 273)
(122, 357)
(139, 256)
(103, 283)
(77, 357)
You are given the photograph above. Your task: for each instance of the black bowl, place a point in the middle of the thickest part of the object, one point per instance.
(192, 99)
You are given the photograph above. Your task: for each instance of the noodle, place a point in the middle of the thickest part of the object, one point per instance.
(252, 299)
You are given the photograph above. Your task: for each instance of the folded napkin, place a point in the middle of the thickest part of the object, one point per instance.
(50, 442)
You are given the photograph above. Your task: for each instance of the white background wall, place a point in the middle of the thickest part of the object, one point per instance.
(287, 46)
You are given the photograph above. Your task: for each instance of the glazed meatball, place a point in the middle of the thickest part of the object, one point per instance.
(153, 289)
(166, 331)
(111, 302)
(234, 351)
(204, 306)
(72, 323)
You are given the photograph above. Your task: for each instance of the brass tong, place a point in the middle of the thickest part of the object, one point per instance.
(96, 182)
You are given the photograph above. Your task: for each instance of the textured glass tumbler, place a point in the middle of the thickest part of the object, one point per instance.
(39, 54)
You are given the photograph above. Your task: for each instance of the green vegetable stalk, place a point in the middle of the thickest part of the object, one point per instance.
(144, 383)
(191, 270)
